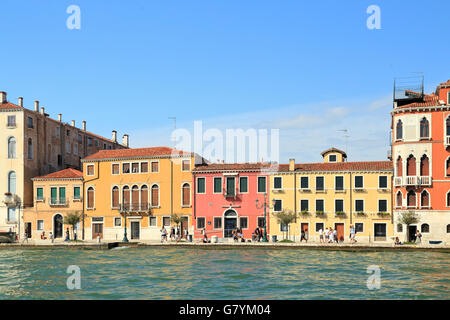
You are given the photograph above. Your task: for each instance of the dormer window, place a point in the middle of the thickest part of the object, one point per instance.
(332, 158)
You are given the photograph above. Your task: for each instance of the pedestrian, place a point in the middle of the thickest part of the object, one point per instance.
(67, 239)
(306, 235)
(418, 237)
(321, 235)
(335, 235)
(163, 234)
(256, 234)
(172, 233)
(50, 237)
(178, 235)
(75, 237)
(352, 234)
(302, 235)
(25, 237)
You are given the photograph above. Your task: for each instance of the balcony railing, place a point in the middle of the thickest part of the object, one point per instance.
(134, 207)
(447, 140)
(58, 201)
(412, 181)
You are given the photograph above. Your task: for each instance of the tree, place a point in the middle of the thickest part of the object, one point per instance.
(408, 218)
(176, 219)
(285, 217)
(72, 218)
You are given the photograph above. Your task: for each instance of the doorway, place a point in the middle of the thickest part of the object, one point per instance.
(304, 226)
(230, 223)
(379, 231)
(135, 230)
(97, 230)
(412, 233)
(58, 226)
(28, 229)
(340, 231)
(184, 226)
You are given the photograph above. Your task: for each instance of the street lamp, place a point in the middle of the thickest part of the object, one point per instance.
(264, 205)
(124, 211)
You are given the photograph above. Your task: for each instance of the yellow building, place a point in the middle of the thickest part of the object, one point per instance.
(149, 185)
(334, 194)
(55, 195)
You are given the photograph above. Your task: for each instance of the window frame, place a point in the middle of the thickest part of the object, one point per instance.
(112, 168)
(214, 223)
(93, 169)
(197, 185)
(379, 182)
(183, 161)
(307, 182)
(323, 183)
(335, 184)
(240, 224)
(247, 184)
(274, 184)
(157, 166)
(197, 222)
(362, 182)
(265, 184)
(214, 185)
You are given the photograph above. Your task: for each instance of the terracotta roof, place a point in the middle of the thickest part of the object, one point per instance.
(63, 174)
(429, 100)
(233, 166)
(445, 84)
(136, 153)
(9, 105)
(334, 150)
(340, 166)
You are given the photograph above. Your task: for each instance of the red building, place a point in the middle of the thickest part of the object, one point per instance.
(421, 156)
(224, 198)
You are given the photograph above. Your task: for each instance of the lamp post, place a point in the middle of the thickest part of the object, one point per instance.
(124, 211)
(264, 205)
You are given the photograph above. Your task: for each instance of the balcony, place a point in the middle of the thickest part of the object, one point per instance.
(57, 202)
(409, 181)
(230, 194)
(134, 207)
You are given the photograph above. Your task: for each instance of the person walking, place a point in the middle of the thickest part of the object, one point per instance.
(418, 237)
(320, 235)
(163, 234)
(335, 236)
(306, 235)
(352, 234)
(67, 239)
(25, 237)
(256, 233)
(172, 233)
(52, 238)
(302, 236)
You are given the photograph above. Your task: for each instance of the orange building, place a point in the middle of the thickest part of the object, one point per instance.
(421, 156)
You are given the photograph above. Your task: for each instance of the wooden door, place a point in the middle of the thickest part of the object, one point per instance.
(135, 230)
(304, 227)
(340, 231)
(28, 229)
(184, 226)
(97, 230)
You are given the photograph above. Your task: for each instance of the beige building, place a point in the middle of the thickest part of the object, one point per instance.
(32, 144)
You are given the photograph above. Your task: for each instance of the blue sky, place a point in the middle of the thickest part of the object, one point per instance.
(307, 68)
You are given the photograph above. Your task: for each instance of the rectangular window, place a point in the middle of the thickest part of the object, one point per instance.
(277, 183)
(76, 193)
(217, 185)
(339, 183)
(80, 139)
(304, 183)
(152, 221)
(201, 185)
(382, 205)
(320, 205)
(40, 224)
(53, 195)
(96, 143)
(135, 167)
(284, 227)
(261, 184)
(231, 186)
(68, 133)
(217, 222)
(11, 121)
(319, 225)
(39, 194)
(155, 166)
(332, 158)
(243, 184)
(125, 168)
(144, 167)
(277, 206)
(359, 227)
(261, 222)
(186, 165)
(62, 195)
(304, 205)
(382, 182)
(166, 221)
(359, 182)
(11, 214)
(89, 142)
(339, 205)
(30, 122)
(359, 205)
(320, 184)
(90, 170)
(117, 222)
(115, 168)
(200, 223)
(243, 222)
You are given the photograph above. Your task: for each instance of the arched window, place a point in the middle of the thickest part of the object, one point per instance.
(90, 197)
(11, 148)
(144, 197)
(186, 194)
(411, 166)
(115, 197)
(135, 197)
(126, 197)
(399, 227)
(425, 228)
(12, 182)
(155, 195)
(399, 199)
(30, 148)
(399, 130)
(425, 199)
(424, 166)
(447, 167)
(424, 128)
(448, 126)
(399, 167)
(411, 199)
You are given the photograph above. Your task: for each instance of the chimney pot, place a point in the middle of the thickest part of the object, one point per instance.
(84, 125)
(2, 97)
(73, 123)
(125, 140)
(59, 117)
(42, 110)
(291, 164)
(20, 101)
(114, 136)
(36, 106)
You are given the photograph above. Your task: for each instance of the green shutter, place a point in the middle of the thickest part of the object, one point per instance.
(217, 185)
(40, 194)
(76, 192)
(243, 185)
(62, 195)
(54, 196)
(261, 184)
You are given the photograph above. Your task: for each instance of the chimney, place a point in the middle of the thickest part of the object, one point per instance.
(20, 102)
(36, 106)
(114, 136)
(73, 123)
(2, 97)
(42, 110)
(125, 140)
(291, 164)
(59, 117)
(84, 125)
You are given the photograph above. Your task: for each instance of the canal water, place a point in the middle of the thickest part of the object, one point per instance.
(190, 273)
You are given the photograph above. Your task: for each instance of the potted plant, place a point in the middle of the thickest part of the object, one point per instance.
(304, 212)
(340, 213)
(320, 213)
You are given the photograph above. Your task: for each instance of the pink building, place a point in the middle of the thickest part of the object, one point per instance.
(224, 198)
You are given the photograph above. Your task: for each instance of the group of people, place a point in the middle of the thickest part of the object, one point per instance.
(330, 235)
(418, 239)
(258, 234)
(175, 234)
(238, 235)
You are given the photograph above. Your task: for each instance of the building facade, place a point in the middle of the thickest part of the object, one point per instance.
(225, 198)
(333, 194)
(32, 144)
(55, 195)
(151, 186)
(421, 156)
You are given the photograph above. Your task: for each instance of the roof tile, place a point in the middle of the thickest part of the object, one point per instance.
(63, 174)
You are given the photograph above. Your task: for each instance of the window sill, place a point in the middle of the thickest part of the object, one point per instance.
(90, 208)
(186, 206)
